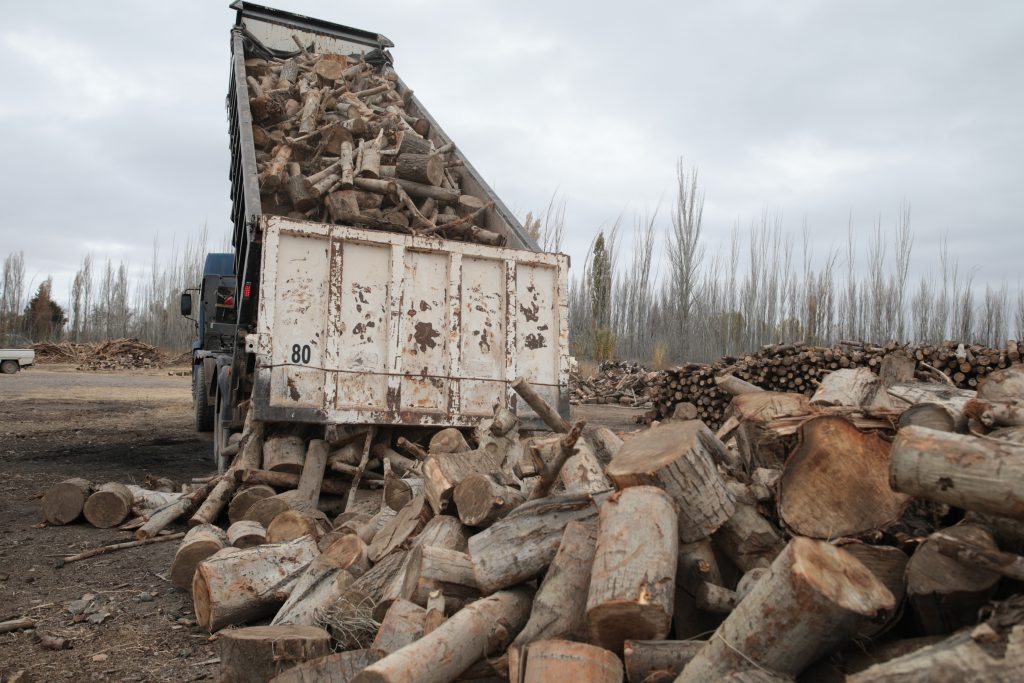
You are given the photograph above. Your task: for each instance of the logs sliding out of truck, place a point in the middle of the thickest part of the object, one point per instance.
(376, 279)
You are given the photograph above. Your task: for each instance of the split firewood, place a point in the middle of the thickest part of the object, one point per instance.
(245, 534)
(435, 612)
(430, 568)
(236, 586)
(759, 446)
(668, 657)
(815, 596)
(199, 543)
(103, 550)
(63, 503)
(633, 579)
(409, 521)
(482, 499)
(479, 629)
(563, 660)
(442, 472)
(680, 458)
(944, 594)
(520, 546)
(973, 473)
(836, 482)
(321, 583)
(258, 653)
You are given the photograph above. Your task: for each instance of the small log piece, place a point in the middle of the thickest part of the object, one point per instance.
(421, 168)
(245, 498)
(401, 625)
(259, 653)
(482, 499)
(108, 506)
(563, 660)
(340, 667)
(430, 568)
(664, 657)
(63, 503)
(199, 543)
(245, 534)
(284, 453)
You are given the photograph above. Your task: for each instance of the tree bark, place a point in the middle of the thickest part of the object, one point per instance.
(932, 416)
(179, 508)
(236, 586)
(855, 387)
(321, 582)
(972, 554)
(549, 415)
(259, 653)
(249, 457)
(680, 458)
(943, 593)
(63, 503)
(734, 386)
(667, 657)
(108, 506)
(482, 499)
(747, 538)
(442, 472)
(430, 568)
(398, 492)
(562, 660)
(889, 565)
(340, 667)
(479, 629)
(814, 597)
(836, 482)
(402, 625)
(291, 524)
(246, 534)
(520, 546)
(284, 454)
(960, 470)
(443, 531)
(995, 414)
(759, 445)
(409, 521)
(582, 472)
(632, 585)
(420, 168)
(199, 543)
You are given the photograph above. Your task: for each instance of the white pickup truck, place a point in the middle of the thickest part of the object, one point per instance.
(12, 360)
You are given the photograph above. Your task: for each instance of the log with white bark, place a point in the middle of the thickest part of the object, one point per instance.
(836, 482)
(814, 596)
(944, 594)
(715, 599)
(478, 630)
(854, 387)
(258, 653)
(108, 506)
(734, 386)
(401, 625)
(563, 660)
(952, 399)
(957, 469)
(318, 585)
(63, 502)
(169, 513)
(435, 611)
(680, 458)
(199, 543)
(430, 568)
(245, 534)
(632, 584)
(996, 414)
(545, 412)
(520, 546)
(667, 658)
(340, 667)
(146, 501)
(236, 586)
(482, 499)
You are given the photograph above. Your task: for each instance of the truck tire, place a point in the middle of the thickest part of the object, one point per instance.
(9, 367)
(204, 411)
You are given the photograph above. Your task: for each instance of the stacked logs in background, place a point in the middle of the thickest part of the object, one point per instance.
(799, 368)
(616, 382)
(336, 144)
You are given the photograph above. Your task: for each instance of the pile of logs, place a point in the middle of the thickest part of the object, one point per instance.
(115, 354)
(616, 382)
(335, 143)
(799, 368)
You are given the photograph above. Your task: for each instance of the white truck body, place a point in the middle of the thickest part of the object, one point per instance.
(11, 360)
(365, 326)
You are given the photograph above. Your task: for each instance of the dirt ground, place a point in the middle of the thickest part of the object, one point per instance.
(56, 423)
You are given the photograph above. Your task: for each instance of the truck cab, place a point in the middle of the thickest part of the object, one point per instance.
(216, 320)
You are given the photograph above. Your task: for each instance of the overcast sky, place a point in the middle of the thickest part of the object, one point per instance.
(114, 129)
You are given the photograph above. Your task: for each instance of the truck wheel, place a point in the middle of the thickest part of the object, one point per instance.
(9, 367)
(204, 411)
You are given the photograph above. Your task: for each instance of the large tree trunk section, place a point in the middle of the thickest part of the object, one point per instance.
(932, 416)
(520, 546)
(560, 605)
(665, 657)
(836, 482)
(244, 499)
(284, 454)
(959, 659)
(943, 593)
(340, 667)
(236, 586)
(478, 630)
(482, 499)
(63, 503)
(442, 472)
(996, 414)
(199, 543)
(854, 387)
(320, 583)
(430, 568)
(814, 596)
(889, 565)
(971, 473)
(401, 625)
(680, 458)
(632, 585)
(108, 506)
(246, 534)
(1003, 385)
(759, 445)
(562, 660)
(421, 168)
(409, 521)
(747, 538)
(259, 653)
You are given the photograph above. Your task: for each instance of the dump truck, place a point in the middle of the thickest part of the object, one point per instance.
(379, 279)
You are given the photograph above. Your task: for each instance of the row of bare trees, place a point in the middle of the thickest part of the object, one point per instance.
(673, 300)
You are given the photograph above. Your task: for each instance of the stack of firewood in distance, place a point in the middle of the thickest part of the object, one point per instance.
(336, 144)
(799, 368)
(115, 354)
(616, 382)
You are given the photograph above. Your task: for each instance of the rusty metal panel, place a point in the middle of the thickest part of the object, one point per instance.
(403, 329)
